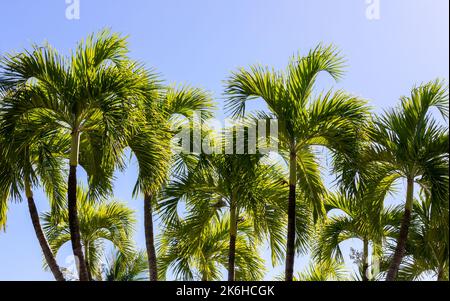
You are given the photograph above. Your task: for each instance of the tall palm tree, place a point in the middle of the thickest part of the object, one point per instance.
(23, 170)
(193, 256)
(242, 185)
(305, 121)
(89, 96)
(411, 144)
(427, 249)
(100, 221)
(151, 144)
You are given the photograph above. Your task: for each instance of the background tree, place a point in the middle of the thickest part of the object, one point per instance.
(129, 267)
(361, 218)
(329, 270)
(100, 221)
(202, 256)
(151, 143)
(427, 248)
(238, 185)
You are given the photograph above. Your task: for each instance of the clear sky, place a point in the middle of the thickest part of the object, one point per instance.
(199, 42)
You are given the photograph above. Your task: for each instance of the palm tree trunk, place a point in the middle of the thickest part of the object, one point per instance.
(48, 254)
(441, 274)
(375, 262)
(86, 259)
(290, 248)
(150, 237)
(403, 237)
(233, 235)
(74, 223)
(365, 260)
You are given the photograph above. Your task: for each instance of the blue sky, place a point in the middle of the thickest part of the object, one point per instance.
(200, 42)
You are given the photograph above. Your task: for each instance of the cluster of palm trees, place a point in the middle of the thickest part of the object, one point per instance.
(90, 109)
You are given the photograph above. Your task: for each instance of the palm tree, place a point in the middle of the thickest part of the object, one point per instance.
(22, 170)
(427, 249)
(410, 144)
(305, 121)
(151, 144)
(193, 256)
(130, 267)
(89, 96)
(100, 221)
(361, 217)
(244, 185)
